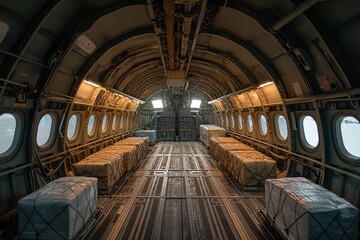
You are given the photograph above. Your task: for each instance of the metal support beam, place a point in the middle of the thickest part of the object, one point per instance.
(263, 60)
(232, 94)
(169, 9)
(153, 21)
(29, 34)
(13, 83)
(197, 32)
(25, 59)
(297, 11)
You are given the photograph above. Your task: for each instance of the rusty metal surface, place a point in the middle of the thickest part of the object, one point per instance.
(178, 192)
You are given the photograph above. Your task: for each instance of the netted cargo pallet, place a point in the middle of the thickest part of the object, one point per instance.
(129, 155)
(209, 131)
(301, 209)
(59, 210)
(141, 144)
(151, 134)
(225, 151)
(252, 168)
(215, 141)
(106, 165)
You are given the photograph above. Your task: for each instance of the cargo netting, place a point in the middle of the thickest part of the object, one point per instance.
(107, 165)
(141, 144)
(252, 168)
(301, 209)
(58, 210)
(209, 131)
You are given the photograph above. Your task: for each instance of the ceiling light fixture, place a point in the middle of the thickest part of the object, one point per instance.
(265, 84)
(91, 83)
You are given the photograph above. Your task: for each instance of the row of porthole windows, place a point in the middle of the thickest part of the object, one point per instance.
(281, 124)
(347, 128)
(74, 121)
(46, 126)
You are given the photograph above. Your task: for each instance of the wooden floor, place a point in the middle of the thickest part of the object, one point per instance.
(178, 192)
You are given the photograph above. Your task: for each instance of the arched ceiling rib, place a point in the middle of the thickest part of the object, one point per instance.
(264, 61)
(110, 44)
(230, 57)
(235, 48)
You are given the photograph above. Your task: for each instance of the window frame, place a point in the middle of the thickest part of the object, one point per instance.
(247, 123)
(226, 121)
(232, 122)
(122, 121)
(94, 130)
(277, 129)
(18, 136)
(50, 142)
(240, 122)
(304, 143)
(338, 140)
(114, 124)
(104, 132)
(259, 115)
(77, 130)
(129, 123)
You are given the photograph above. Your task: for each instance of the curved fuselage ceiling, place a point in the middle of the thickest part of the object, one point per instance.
(232, 44)
(281, 58)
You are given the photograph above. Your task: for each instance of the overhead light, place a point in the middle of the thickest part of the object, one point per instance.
(85, 44)
(91, 83)
(265, 84)
(124, 95)
(195, 103)
(157, 104)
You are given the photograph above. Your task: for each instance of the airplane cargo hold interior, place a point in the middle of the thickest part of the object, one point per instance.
(180, 119)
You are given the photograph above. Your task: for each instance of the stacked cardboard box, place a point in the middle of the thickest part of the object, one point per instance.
(252, 168)
(302, 209)
(140, 143)
(209, 131)
(59, 210)
(216, 141)
(107, 165)
(151, 134)
(129, 155)
(226, 150)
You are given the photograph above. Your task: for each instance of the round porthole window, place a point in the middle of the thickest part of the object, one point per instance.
(240, 121)
(310, 132)
(281, 127)
(91, 125)
(250, 126)
(8, 125)
(44, 130)
(348, 129)
(104, 123)
(72, 127)
(263, 125)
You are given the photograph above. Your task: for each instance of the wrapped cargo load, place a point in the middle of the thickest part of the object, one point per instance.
(129, 155)
(252, 168)
(106, 165)
(302, 209)
(140, 143)
(151, 134)
(215, 141)
(209, 131)
(225, 151)
(58, 210)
